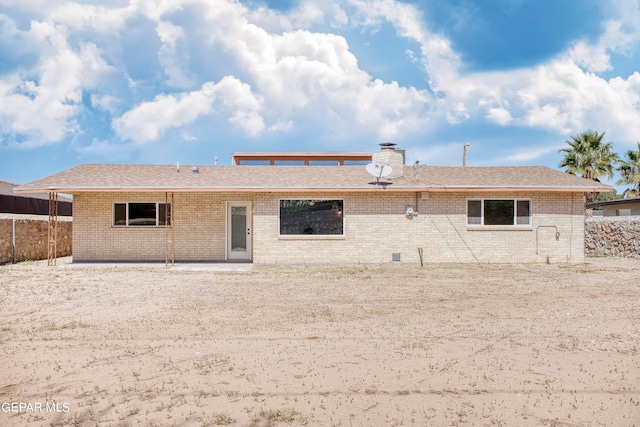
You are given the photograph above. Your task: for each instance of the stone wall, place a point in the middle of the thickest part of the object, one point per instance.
(613, 236)
(31, 238)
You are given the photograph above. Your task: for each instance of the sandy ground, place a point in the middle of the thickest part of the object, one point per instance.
(476, 345)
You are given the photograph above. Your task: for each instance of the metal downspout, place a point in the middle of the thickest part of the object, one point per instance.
(13, 240)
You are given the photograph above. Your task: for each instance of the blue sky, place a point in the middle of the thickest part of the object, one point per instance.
(144, 81)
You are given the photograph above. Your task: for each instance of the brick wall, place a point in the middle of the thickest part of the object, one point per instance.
(375, 226)
(31, 239)
(198, 218)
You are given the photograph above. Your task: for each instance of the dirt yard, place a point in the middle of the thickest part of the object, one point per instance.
(476, 345)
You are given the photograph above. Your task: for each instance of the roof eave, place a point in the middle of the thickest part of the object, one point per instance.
(358, 188)
(547, 188)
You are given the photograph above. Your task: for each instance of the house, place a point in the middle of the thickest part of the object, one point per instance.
(323, 214)
(31, 204)
(622, 207)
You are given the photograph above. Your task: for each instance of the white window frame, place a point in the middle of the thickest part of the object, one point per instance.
(312, 236)
(515, 212)
(113, 215)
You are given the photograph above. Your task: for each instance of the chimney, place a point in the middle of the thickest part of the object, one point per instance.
(394, 158)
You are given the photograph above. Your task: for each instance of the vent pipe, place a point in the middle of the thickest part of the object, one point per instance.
(464, 153)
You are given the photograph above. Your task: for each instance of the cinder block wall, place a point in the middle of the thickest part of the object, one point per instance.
(375, 227)
(198, 218)
(32, 239)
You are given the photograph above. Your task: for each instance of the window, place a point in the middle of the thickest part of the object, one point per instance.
(323, 163)
(312, 216)
(499, 212)
(288, 162)
(141, 214)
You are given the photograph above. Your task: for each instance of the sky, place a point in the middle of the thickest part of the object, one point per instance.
(166, 81)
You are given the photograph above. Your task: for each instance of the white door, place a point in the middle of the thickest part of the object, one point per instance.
(239, 231)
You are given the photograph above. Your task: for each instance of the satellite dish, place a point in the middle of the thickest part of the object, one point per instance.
(378, 170)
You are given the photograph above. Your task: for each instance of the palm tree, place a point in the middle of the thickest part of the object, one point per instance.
(587, 156)
(630, 172)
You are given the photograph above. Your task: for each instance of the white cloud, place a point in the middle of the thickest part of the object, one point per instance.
(281, 126)
(499, 116)
(187, 137)
(526, 155)
(78, 16)
(148, 120)
(457, 113)
(592, 58)
(562, 97)
(438, 154)
(302, 74)
(440, 61)
(155, 9)
(339, 16)
(299, 76)
(172, 62)
(104, 102)
(319, 72)
(622, 31)
(305, 14)
(286, 75)
(114, 150)
(563, 94)
(42, 103)
(250, 121)
(32, 7)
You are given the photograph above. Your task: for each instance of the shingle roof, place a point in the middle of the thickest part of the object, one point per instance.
(7, 187)
(132, 177)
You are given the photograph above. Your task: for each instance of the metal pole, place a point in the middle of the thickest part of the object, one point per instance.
(464, 154)
(52, 245)
(13, 238)
(173, 234)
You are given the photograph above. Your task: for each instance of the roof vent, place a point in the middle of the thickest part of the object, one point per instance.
(195, 169)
